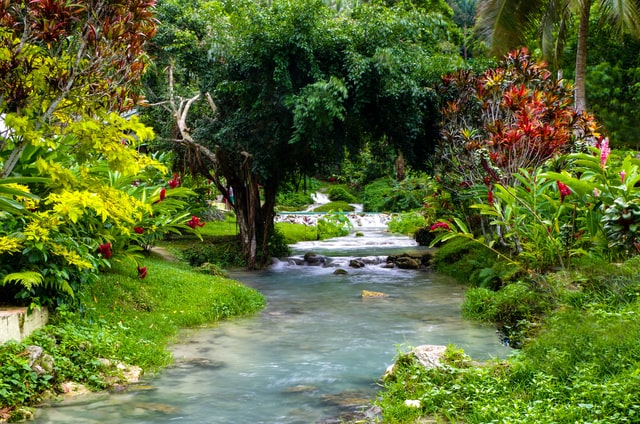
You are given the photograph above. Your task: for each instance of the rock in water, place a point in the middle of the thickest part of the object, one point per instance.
(366, 294)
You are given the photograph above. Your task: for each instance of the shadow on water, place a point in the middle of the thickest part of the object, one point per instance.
(315, 352)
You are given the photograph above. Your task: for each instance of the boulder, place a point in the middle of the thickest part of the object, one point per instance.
(411, 260)
(357, 263)
(312, 258)
(407, 263)
(429, 356)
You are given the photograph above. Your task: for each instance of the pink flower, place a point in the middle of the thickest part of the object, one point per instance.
(564, 190)
(105, 250)
(604, 152)
(622, 175)
(175, 182)
(138, 229)
(596, 192)
(195, 222)
(142, 271)
(441, 224)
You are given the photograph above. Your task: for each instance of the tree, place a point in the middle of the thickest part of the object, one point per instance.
(69, 73)
(284, 88)
(78, 58)
(505, 23)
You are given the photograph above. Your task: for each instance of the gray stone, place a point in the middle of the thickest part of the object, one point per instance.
(312, 258)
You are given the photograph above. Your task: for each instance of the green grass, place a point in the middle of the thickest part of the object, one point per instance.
(228, 227)
(294, 233)
(580, 365)
(172, 296)
(335, 207)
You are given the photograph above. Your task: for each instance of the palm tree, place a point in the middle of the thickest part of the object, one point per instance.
(504, 24)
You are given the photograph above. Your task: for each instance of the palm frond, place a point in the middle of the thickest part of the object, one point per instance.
(623, 14)
(503, 24)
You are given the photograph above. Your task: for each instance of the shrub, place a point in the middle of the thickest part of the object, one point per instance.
(293, 201)
(337, 194)
(507, 118)
(406, 223)
(462, 259)
(388, 195)
(333, 225)
(224, 252)
(335, 206)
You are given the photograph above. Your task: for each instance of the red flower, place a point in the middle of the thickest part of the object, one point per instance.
(142, 271)
(490, 196)
(175, 182)
(105, 250)
(163, 193)
(564, 190)
(195, 222)
(440, 224)
(138, 230)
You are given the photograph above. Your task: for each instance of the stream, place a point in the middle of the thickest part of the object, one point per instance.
(313, 354)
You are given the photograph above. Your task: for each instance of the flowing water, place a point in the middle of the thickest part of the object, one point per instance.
(316, 351)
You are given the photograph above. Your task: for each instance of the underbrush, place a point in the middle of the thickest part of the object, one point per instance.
(389, 195)
(406, 223)
(294, 233)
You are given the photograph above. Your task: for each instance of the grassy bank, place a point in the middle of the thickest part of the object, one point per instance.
(579, 360)
(124, 319)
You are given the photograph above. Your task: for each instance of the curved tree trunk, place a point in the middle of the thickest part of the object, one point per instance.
(581, 57)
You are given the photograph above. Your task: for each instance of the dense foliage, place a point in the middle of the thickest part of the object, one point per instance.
(75, 187)
(581, 367)
(289, 85)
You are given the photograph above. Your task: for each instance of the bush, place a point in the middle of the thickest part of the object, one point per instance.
(333, 225)
(293, 201)
(294, 233)
(406, 223)
(463, 259)
(335, 206)
(424, 236)
(224, 252)
(337, 194)
(388, 195)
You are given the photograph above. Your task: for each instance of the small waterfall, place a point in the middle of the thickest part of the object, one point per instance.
(359, 220)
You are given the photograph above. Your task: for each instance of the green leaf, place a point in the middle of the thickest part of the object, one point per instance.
(27, 279)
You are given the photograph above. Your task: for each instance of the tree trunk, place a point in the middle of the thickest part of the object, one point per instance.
(581, 57)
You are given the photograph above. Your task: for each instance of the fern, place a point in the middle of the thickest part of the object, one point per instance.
(31, 279)
(27, 279)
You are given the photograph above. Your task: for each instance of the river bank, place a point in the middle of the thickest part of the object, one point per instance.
(123, 320)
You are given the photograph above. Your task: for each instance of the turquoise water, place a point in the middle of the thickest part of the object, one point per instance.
(316, 351)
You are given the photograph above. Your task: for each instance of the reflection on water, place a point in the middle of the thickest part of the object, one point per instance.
(316, 349)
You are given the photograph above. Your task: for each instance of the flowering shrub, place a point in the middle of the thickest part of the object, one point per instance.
(607, 201)
(512, 117)
(550, 217)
